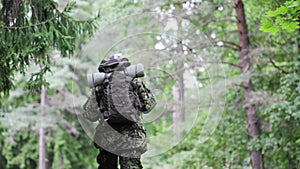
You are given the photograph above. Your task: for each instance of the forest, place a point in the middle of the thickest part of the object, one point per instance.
(225, 75)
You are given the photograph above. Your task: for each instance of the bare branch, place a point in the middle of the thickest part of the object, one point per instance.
(277, 67)
(231, 43)
(214, 43)
(70, 128)
(225, 62)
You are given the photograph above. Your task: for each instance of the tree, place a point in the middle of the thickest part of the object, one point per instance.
(246, 65)
(30, 32)
(262, 71)
(63, 141)
(268, 62)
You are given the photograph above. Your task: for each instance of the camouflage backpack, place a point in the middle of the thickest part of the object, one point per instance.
(121, 98)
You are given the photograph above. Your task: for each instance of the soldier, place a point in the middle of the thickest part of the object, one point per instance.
(117, 102)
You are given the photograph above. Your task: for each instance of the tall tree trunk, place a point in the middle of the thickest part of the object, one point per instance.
(42, 149)
(246, 64)
(42, 133)
(181, 97)
(178, 91)
(178, 115)
(181, 115)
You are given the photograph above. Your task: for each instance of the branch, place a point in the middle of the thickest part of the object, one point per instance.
(227, 44)
(277, 67)
(232, 43)
(238, 85)
(182, 2)
(225, 62)
(175, 3)
(210, 20)
(70, 128)
(260, 50)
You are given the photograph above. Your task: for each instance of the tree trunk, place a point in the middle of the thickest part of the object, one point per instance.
(42, 133)
(178, 92)
(181, 97)
(12, 12)
(178, 115)
(42, 149)
(246, 64)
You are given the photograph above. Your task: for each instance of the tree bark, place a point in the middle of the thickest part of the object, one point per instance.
(42, 134)
(178, 91)
(181, 97)
(42, 149)
(246, 65)
(178, 115)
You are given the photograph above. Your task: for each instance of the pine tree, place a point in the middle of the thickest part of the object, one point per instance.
(30, 32)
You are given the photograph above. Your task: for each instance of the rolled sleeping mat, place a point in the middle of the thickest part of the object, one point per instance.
(134, 71)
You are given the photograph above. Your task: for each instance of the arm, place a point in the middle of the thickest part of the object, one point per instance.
(146, 98)
(90, 107)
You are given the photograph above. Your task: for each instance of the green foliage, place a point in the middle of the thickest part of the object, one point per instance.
(224, 148)
(25, 116)
(275, 78)
(32, 39)
(280, 142)
(285, 17)
(31, 46)
(70, 152)
(19, 152)
(3, 161)
(276, 92)
(268, 26)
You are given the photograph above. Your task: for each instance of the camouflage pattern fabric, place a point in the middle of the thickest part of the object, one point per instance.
(141, 99)
(107, 160)
(127, 140)
(121, 99)
(130, 163)
(90, 107)
(146, 98)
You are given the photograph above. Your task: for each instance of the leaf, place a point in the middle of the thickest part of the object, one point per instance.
(294, 4)
(280, 20)
(290, 26)
(279, 11)
(298, 141)
(268, 26)
(70, 6)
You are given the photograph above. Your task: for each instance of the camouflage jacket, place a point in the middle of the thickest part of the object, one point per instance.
(145, 101)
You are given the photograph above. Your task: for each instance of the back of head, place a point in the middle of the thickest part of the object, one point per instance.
(114, 62)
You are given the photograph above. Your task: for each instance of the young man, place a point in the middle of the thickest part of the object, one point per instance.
(121, 98)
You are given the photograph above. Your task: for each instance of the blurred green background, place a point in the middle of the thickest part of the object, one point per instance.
(226, 74)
